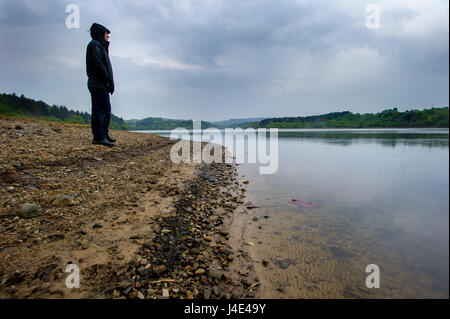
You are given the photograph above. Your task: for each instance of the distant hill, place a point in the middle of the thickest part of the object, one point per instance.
(13, 105)
(158, 123)
(434, 117)
(235, 122)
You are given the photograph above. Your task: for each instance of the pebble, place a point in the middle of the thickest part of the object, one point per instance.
(216, 290)
(159, 269)
(200, 271)
(215, 274)
(63, 200)
(85, 244)
(144, 262)
(29, 210)
(189, 295)
(133, 294)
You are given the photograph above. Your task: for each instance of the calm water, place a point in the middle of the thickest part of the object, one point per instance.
(383, 198)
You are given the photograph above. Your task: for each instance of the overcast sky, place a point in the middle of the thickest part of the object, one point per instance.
(214, 60)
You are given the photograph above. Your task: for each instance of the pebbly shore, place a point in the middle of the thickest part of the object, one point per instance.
(135, 224)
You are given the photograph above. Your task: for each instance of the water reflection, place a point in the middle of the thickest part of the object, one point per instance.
(385, 137)
(390, 138)
(383, 198)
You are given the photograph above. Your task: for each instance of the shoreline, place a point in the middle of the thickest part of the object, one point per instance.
(136, 225)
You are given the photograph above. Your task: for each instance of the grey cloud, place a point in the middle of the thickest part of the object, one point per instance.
(220, 59)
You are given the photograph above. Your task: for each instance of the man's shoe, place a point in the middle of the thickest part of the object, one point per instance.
(110, 139)
(104, 142)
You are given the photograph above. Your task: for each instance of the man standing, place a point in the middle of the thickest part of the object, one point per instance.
(100, 83)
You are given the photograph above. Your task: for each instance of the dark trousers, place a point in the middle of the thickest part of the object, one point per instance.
(101, 113)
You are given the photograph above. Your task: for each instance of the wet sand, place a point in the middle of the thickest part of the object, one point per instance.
(323, 252)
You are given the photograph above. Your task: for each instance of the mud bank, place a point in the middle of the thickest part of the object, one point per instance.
(134, 223)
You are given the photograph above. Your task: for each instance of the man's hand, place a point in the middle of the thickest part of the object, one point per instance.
(110, 87)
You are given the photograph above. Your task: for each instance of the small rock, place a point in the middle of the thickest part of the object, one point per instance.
(283, 264)
(189, 295)
(63, 200)
(165, 293)
(159, 269)
(245, 283)
(140, 295)
(133, 294)
(120, 256)
(29, 210)
(265, 262)
(207, 293)
(215, 274)
(97, 225)
(228, 276)
(85, 243)
(207, 238)
(144, 262)
(216, 290)
(200, 271)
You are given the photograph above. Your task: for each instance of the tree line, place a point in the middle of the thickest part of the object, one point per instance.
(21, 106)
(433, 117)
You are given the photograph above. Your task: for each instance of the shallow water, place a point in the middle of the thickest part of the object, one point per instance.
(383, 199)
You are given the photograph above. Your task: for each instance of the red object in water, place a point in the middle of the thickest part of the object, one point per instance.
(304, 204)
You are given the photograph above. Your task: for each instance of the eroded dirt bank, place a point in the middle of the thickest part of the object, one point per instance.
(136, 224)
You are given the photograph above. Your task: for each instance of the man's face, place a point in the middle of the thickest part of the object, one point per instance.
(106, 36)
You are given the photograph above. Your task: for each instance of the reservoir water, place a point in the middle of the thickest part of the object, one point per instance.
(382, 198)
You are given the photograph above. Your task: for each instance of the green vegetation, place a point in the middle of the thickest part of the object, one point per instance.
(232, 123)
(434, 117)
(158, 123)
(13, 105)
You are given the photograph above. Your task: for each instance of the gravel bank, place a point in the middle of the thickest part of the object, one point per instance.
(136, 225)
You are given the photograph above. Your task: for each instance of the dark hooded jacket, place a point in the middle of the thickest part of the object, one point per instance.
(98, 65)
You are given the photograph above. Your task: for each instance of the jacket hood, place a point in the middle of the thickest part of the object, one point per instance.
(98, 33)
